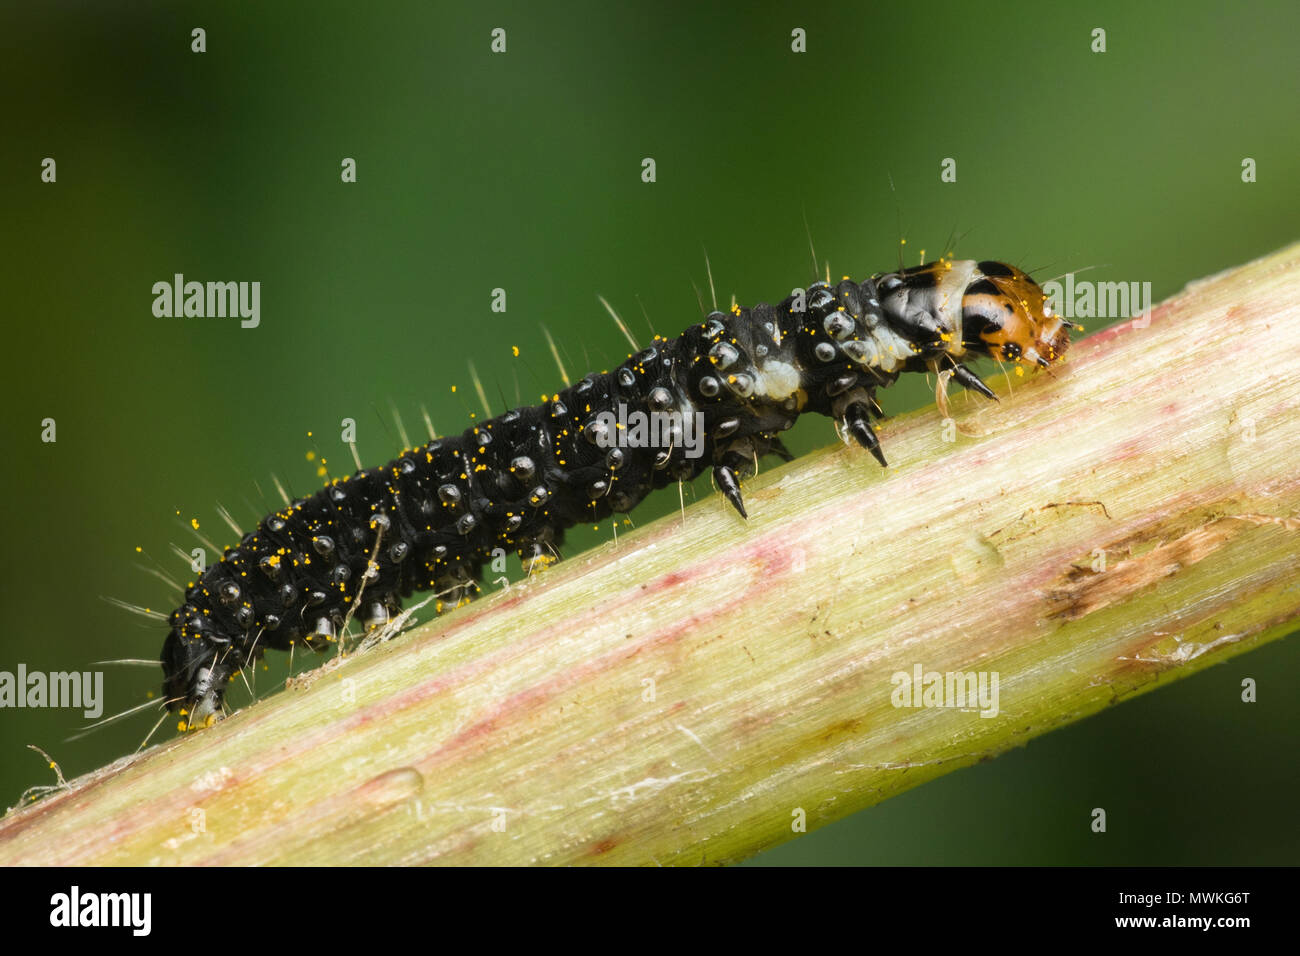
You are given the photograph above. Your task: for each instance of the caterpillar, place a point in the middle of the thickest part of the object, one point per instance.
(723, 391)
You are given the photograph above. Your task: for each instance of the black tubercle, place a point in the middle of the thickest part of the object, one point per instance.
(434, 516)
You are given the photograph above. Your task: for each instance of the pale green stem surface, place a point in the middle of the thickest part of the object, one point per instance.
(683, 696)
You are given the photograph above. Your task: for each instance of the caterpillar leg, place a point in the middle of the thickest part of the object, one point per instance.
(729, 485)
(379, 613)
(537, 553)
(325, 632)
(969, 380)
(777, 447)
(738, 459)
(857, 422)
(456, 587)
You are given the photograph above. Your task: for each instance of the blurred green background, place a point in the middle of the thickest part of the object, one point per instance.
(522, 171)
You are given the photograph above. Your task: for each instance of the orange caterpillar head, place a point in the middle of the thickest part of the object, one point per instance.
(1005, 315)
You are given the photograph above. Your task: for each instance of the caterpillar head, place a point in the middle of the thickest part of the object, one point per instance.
(1005, 314)
(195, 672)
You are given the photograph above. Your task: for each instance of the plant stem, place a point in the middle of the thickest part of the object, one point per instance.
(686, 695)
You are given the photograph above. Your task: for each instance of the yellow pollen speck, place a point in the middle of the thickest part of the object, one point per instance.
(195, 523)
(311, 456)
(515, 349)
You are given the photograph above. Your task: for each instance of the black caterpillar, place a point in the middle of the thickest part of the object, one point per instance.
(431, 518)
